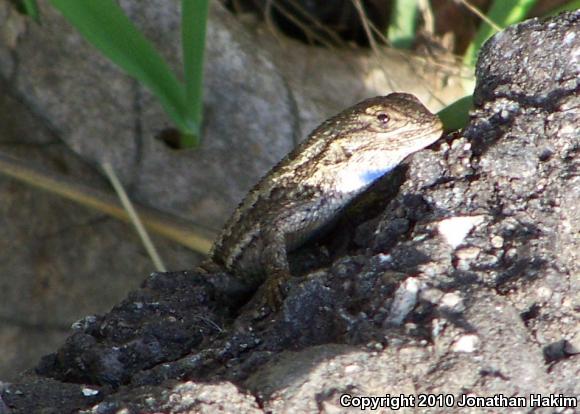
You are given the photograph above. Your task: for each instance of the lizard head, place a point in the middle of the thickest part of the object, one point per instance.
(372, 137)
(396, 122)
(356, 147)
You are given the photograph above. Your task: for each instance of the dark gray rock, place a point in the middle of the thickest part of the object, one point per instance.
(475, 290)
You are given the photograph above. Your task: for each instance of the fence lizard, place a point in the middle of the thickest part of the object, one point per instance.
(309, 187)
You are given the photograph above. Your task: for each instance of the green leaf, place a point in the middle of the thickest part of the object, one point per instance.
(401, 31)
(104, 25)
(193, 27)
(571, 5)
(502, 13)
(456, 115)
(31, 9)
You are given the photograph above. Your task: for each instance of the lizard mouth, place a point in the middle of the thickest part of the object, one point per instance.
(417, 137)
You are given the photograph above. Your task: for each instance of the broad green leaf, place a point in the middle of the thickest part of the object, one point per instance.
(456, 115)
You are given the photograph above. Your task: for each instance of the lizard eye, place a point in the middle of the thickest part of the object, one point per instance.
(383, 118)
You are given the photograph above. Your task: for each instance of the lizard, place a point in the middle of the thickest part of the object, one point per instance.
(308, 188)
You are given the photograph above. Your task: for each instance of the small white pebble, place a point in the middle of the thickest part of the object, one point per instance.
(455, 229)
(468, 253)
(375, 346)
(511, 253)
(350, 369)
(385, 258)
(420, 237)
(437, 326)
(452, 301)
(467, 343)
(431, 295)
(404, 301)
(89, 392)
(569, 38)
(83, 323)
(543, 293)
(497, 242)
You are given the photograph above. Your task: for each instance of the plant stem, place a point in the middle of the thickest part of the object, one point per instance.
(193, 27)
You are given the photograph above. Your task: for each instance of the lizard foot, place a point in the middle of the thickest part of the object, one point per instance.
(273, 290)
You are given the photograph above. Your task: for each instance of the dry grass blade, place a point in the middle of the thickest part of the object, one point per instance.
(135, 220)
(479, 14)
(312, 35)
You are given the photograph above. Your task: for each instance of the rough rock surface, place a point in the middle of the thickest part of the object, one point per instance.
(465, 282)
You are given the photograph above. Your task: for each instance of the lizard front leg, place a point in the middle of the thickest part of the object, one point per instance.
(289, 228)
(275, 262)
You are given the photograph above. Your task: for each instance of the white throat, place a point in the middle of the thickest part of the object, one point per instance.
(356, 178)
